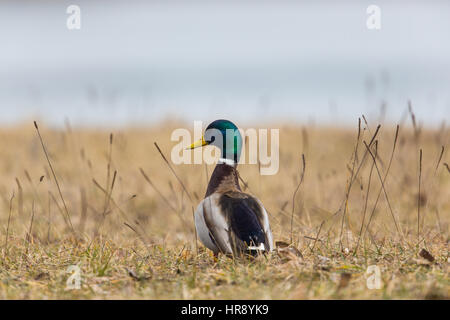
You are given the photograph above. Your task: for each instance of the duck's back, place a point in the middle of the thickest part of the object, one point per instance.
(246, 218)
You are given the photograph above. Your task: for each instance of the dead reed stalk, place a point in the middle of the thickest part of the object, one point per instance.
(173, 171)
(419, 195)
(7, 227)
(302, 176)
(347, 195)
(54, 178)
(383, 181)
(366, 201)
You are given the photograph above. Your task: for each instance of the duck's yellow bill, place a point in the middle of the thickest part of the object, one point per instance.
(198, 143)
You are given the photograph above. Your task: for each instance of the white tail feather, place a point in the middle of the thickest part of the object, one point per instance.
(260, 247)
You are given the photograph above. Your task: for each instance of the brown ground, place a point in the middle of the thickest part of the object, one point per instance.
(154, 256)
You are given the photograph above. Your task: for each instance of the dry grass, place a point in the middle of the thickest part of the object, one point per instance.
(133, 234)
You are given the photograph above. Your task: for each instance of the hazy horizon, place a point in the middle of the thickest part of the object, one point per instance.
(287, 61)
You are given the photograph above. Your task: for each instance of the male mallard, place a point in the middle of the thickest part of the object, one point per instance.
(228, 220)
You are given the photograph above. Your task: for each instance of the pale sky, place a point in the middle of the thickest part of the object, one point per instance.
(292, 59)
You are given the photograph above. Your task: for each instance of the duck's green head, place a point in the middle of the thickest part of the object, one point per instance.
(226, 136)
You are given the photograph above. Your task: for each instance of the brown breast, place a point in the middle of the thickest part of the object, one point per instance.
(223, 179)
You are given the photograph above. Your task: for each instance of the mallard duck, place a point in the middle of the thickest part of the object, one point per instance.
(228, 220)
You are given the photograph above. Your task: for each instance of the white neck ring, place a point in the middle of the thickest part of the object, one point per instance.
(229, 162)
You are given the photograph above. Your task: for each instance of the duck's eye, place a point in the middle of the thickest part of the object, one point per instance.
(211, 139)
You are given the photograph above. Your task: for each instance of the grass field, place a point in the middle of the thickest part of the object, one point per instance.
(133, 237)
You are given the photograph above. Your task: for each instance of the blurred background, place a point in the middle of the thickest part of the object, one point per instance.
(294, 61)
